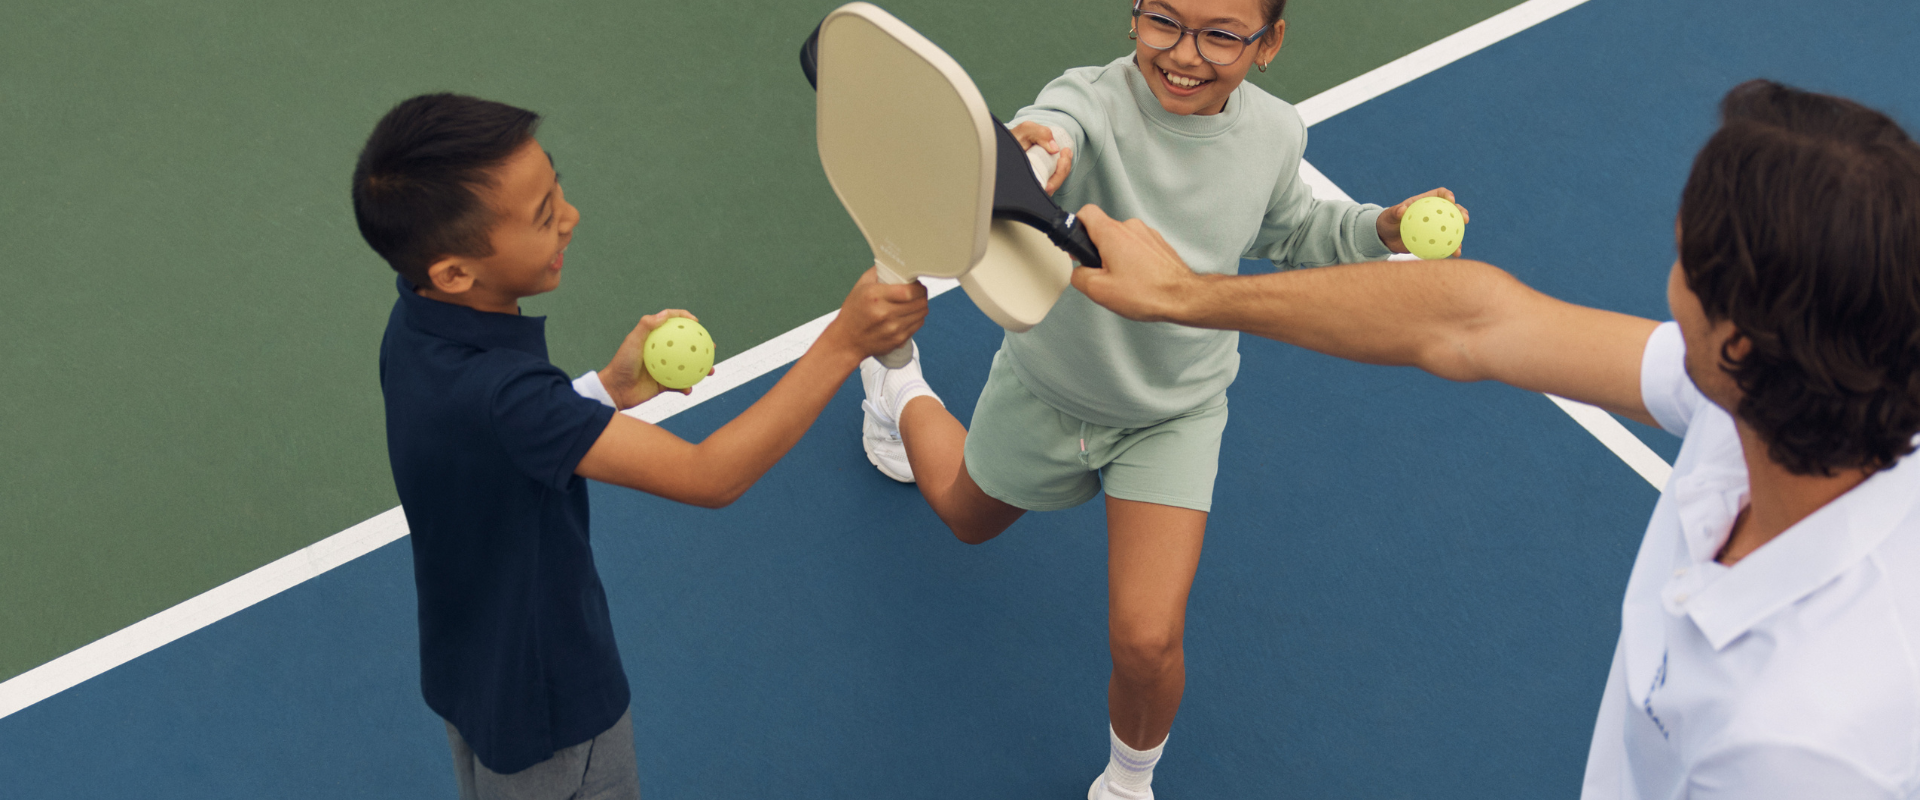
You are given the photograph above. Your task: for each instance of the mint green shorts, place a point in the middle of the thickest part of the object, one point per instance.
(1026, 453)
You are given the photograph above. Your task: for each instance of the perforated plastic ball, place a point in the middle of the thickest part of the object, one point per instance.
(1432, 228)
(678, 354)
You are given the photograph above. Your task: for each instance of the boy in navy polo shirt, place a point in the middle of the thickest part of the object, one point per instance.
(489, 444)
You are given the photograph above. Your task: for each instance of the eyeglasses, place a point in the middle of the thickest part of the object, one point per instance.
(1218, 47)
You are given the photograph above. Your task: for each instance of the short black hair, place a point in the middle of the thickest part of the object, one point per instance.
(414, 188)
(1800, 224)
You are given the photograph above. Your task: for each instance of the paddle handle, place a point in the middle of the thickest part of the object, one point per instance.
(1067, 234)
(1043, 163)
(904, 353)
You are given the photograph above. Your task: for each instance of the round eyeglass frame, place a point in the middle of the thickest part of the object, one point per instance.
(1184, 30)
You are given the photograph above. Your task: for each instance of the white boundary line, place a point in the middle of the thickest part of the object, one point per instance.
(1618, 439)
(1596, 420)
(1403, 70)
(131, 642)
(310, 562)
(204, 609)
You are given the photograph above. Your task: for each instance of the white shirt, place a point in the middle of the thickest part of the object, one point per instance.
(1793, 673)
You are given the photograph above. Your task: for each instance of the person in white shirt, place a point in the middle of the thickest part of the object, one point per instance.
(1770, 634)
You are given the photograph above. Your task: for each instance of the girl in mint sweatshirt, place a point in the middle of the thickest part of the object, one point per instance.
(1088, 401)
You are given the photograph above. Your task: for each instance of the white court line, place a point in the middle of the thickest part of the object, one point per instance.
(1597, 421)
(131, 642)
(310, 562)
(1618, 439)
(202, 610)
(1403, 70)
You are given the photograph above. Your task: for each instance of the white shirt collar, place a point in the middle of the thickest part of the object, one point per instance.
(1802, 559)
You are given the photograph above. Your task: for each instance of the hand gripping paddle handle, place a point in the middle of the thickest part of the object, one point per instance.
(1018, 195)
(904, 353)
(1066, 232)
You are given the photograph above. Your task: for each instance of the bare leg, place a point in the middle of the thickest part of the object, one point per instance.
(1152, 552)
(936, 447)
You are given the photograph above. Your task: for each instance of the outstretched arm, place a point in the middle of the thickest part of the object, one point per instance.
(876, 318)
(1460, 320)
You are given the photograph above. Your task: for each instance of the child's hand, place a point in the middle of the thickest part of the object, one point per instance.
(1029, 134)
(877, 318)
(626, 379)
(1388, 224)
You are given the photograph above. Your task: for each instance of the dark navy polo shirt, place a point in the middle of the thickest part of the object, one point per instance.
(516, 648)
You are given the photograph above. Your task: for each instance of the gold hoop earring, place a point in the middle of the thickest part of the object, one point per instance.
(1263, 67)
(1132, 34)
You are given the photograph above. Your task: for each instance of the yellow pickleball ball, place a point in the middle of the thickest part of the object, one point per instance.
(1432, 228)
(678, 354)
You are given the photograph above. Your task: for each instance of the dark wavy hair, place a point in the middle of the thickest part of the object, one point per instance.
(1800, 224)
(415, 187)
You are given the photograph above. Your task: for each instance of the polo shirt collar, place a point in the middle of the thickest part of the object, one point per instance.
(1809, 555)
(485, 330)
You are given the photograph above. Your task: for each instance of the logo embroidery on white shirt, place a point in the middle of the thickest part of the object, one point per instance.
(1659, 680)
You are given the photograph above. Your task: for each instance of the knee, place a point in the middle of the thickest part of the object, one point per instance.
(975, 534)
(1145, 650)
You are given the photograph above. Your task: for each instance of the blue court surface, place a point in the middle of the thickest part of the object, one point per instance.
(1410, 588)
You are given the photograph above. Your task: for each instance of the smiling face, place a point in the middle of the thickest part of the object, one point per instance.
(1181, 80)
(533, 222)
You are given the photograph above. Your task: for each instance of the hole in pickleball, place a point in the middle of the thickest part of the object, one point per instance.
(1443, 229)
(1424, 219)
(669, 342)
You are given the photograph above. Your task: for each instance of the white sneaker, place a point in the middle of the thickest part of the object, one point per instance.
(888, 391)
(1101, 791)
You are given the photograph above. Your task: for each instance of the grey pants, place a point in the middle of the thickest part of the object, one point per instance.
(601, 768)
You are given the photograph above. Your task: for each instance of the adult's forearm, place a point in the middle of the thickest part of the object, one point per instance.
(1420, 314)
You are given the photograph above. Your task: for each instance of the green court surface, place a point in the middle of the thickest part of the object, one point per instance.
(192, 320)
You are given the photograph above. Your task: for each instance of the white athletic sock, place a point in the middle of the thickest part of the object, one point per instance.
(1130, 772)
(912, 389)
(900, 386)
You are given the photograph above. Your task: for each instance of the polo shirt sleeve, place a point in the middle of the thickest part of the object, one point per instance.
(545, 426)
(1783, 771)
(1669, 395)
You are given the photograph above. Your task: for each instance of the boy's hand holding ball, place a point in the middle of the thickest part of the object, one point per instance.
(627, 378)
(1427, 225)
(678, 354)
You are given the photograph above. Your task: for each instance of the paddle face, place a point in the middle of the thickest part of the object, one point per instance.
(937, 185)
(1027, 264)
(906, 142)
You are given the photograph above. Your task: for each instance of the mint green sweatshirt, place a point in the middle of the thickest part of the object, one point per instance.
(1218, 188)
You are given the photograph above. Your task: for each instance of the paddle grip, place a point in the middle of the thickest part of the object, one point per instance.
(904, 353)
(1044, 163)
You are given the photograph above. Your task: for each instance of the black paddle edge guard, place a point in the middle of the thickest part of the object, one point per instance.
(1017, 193)
(1019, 197)
(810, 57)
